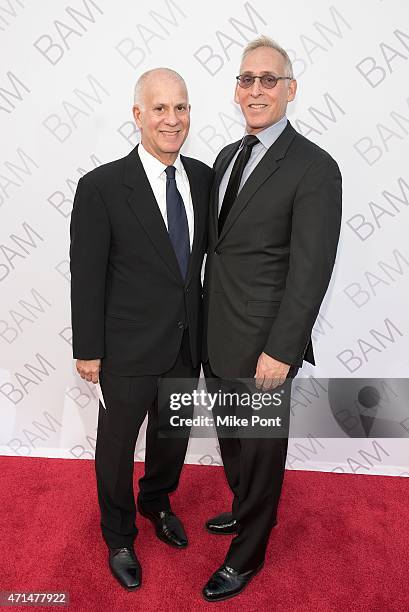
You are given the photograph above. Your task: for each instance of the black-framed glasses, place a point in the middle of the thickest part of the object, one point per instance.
(267, 80)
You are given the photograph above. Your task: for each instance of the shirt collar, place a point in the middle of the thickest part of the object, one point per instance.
(270, 134)
(155, 166)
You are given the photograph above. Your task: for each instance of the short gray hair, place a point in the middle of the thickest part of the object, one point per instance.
(265, 41)
(141, 82)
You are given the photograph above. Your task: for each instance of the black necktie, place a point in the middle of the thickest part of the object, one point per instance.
(177, 221)
(235, 178)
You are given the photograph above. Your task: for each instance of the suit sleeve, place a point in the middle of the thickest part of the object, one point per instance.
(315, 228)
(89, 250)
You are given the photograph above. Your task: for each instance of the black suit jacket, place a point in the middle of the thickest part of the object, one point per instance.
(129, 303)
(268, 271)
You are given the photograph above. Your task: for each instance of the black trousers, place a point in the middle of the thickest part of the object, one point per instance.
(254, 464)
(128, 399)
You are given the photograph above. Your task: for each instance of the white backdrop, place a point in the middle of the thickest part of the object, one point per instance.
(66, 83)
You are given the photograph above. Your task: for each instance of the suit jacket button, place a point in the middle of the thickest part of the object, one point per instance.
(216, 252)
(181, 325)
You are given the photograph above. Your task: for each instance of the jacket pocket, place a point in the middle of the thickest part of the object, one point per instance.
(261, 308)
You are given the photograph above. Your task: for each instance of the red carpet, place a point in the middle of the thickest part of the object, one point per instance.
(342, 543)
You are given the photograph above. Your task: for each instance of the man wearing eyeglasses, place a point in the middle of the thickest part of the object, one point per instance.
(274, 224)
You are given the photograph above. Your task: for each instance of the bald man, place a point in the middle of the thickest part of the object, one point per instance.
(138, 236)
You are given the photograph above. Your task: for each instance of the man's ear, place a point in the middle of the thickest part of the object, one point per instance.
(236, 97)
(137, 112)
(292, 90)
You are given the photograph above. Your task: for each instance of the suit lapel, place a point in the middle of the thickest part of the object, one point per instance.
(219, 173)
(264, 169)
(144, 205)
(199, 210)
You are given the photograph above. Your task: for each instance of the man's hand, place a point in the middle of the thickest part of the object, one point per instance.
(270, 372)
(89, 369)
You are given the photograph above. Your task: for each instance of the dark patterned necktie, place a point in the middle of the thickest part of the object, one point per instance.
(177, 221)
(235, 178)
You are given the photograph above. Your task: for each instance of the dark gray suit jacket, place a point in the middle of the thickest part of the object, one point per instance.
(267, 273)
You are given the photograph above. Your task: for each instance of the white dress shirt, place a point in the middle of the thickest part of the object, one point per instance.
(155, 171)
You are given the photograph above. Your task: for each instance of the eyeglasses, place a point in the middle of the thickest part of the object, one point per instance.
(267, 80)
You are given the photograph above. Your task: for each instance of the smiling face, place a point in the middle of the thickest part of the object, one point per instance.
(163, 116)
(262, 107)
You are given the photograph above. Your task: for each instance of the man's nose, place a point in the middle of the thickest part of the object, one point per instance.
(171, 118)
(256, 89)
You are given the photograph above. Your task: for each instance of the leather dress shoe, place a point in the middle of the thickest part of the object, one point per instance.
(224, 524)
(125, 567)
(168, 527)
(227, 582)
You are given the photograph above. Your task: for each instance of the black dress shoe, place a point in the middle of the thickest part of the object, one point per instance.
(125, 567)
(227, 582)
(224, 524)
(168, 527)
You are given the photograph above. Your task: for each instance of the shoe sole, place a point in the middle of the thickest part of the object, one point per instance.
(234, 594)
(225, 533)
